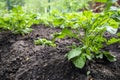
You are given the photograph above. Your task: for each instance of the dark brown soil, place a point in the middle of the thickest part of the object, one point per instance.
(22, 60)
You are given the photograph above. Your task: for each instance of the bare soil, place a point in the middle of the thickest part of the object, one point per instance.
(22, 60)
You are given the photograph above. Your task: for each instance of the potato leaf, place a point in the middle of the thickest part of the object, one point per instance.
(99, 55)
(118, 34)
(111, 29)
(101, 1)
(109, 56)
(79, 61)
(63, 34)
(112, 41)
(74, 53)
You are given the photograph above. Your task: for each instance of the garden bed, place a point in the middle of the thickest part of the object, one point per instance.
(22, 60)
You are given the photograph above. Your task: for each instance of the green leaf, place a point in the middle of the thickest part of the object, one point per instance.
(89, 56)
(116, 17)
(113, 8)
(101, 1)
(118, 34)
(65, 32)
(99, 55)
(58, 21)
(59, 35)
(44, 42)
(74, 53)
(109, 4)
(112, 41)
(109, 56)
(79, 61)
(111, 29)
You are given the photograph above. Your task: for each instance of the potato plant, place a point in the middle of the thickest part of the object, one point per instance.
(93, 25)
(44, 42)
(17, 21)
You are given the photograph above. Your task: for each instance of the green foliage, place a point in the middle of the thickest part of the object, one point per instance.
(118, 34)
(100, 0)
(2, 5)
(17, 2)
(93, 25)
(108, 4)
(44, 42)
(72, 5)
(17, 21)
(65, 32)
(110, 57)
(113, 40)
(116, 15)
(42, 6)
(79, 61)
(74, 53)
(37, 6)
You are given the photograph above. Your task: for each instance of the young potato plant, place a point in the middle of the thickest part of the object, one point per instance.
(44, 42)
(17, 21)
(93, 41)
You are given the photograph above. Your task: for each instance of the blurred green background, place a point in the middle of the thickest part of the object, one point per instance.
(43, 6)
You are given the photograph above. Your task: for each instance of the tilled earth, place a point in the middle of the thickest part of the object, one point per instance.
(22, 60)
